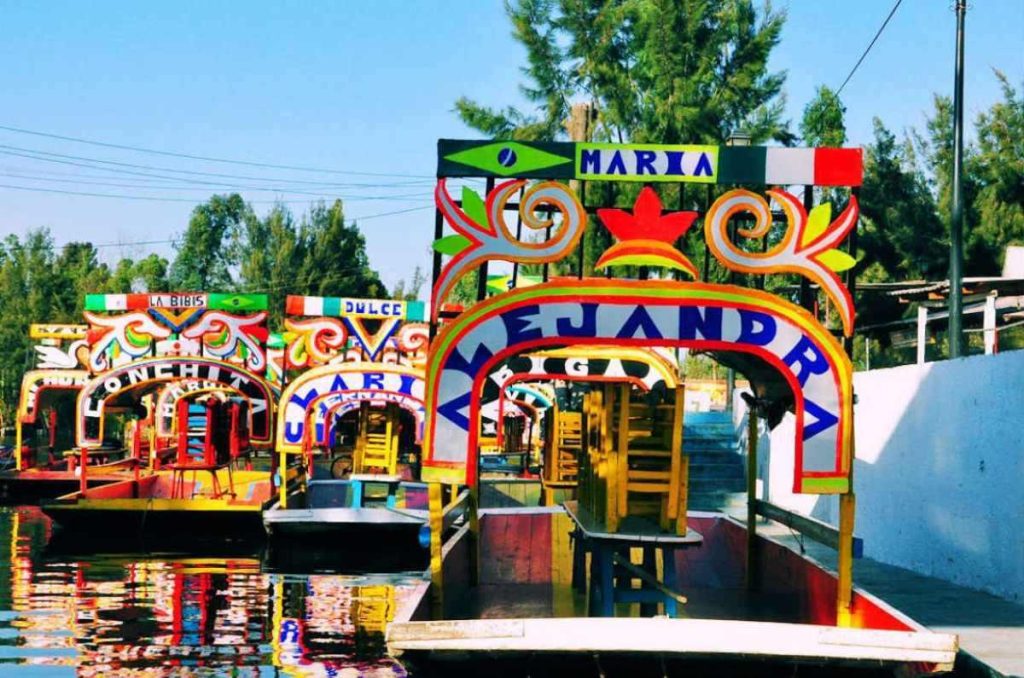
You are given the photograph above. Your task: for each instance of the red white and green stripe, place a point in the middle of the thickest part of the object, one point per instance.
(337, 307)
(790, 166)
(176, 300)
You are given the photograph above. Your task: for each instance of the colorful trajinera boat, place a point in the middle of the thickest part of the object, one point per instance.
(40, 465)
(184, 377)
(353, 412)
(624, 568)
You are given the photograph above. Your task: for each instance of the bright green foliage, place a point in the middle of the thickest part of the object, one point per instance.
(822, 123)
(998, 167)
(666, 71)
(671, 71)
(268, 253)
(464, 291)
(901, 229)
(335, 262)
(204, 255)
(150, 274)
(410, 291)
(549, 88)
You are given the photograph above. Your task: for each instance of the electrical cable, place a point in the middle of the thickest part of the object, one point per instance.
(187, 156)
(66, 159)
(870, 45)
(261, 189)
(123, 196)
(134, 243)
(147, 178)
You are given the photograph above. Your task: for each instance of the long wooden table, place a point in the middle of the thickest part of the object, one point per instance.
(609, 560)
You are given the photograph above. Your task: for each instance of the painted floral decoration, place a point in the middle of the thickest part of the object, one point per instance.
(646, 237)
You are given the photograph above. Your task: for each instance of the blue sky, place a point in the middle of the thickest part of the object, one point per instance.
(363, 87)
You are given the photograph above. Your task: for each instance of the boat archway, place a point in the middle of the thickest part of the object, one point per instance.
(325, 408)
(720, 318)
(368, 379)
(94, 396)
(644, 368)
(36, 383)
(167, 400)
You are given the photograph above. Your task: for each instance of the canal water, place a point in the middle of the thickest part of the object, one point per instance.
(68, 612)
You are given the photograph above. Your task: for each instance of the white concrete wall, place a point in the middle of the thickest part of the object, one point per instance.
(939, 471)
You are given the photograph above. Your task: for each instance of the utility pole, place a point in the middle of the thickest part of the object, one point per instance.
(580, 128)
(956, 227)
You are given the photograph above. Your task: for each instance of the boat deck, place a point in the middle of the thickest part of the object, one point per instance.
(525, 591)
(181, 504)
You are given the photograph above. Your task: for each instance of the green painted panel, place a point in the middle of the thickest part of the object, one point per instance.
(415, 311)
(95, 302)
(504, 159)
(237, 302)
(332, 306)
(741, 164)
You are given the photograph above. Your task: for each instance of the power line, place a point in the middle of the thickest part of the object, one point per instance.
(66, 159)
(260, 189)
(124, 196)
(870, 45)
(139, 149)
(148, 178)
(134, 243)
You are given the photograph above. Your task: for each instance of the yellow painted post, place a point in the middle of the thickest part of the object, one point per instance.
(844, 598)
(622, 460)
(474, 533)
(435, 505)
(282, 470)
(608, 493)
(847, 510)
(390, 438)
(671, 506)
(395, 426)
(553, 452)
(684, 502)
(608, 488)
(364, 425)
(17, 442)
(751, 498)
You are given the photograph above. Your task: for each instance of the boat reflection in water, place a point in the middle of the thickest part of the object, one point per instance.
(171, 614)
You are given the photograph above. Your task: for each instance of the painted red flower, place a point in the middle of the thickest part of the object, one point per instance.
(646, 237)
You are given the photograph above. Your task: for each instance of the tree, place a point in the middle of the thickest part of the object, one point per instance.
(204, 259)
(410, 291)
(77, 271)
(269, 253)
(666, 71)
(933, 151)
(902, 231)
(335, 262)
(823, 120)
(34, 287)
(150, 274)
(998, 167)
(671, 71)
(549, 89)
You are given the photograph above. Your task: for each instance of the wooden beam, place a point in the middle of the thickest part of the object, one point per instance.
(645, 576)
(812, 528)
(751, 569)
(677, 636)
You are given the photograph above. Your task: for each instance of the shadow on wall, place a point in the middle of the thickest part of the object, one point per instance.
(939, 471)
